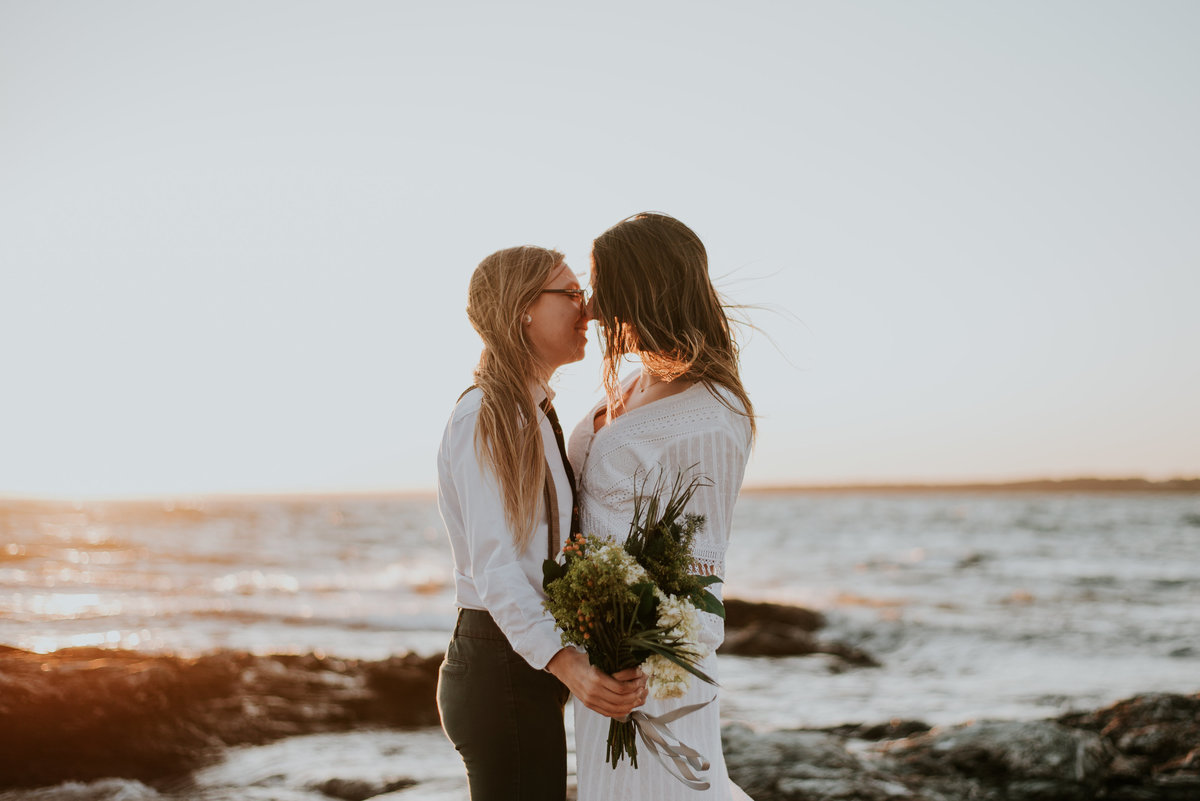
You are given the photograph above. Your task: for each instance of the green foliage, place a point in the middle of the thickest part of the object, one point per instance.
(551, 571)
(594, 604)
(661, 536)
(605, 596)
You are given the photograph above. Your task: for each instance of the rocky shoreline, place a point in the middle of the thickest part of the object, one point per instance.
(85, 714)
(89, 713)
(1145, 748)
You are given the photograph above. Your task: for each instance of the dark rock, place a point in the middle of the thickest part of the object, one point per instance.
(768, 629)
(802, 766)
(894, 729)
(1159, 725)
(740, 613)
(1157, 737)
(768, 639)
(970, 560)
(1025, 760)
(83, 714)
(988, 761)
(359, 789)
(404, 690)
(775, 639)
(985, 761)
(90, 713)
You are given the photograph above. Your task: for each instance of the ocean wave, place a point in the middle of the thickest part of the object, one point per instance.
(101, 790)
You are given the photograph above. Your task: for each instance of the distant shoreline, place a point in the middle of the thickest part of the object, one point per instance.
(1065, 485)
(1079, 485)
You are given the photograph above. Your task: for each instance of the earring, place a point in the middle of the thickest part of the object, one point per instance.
(528, 319)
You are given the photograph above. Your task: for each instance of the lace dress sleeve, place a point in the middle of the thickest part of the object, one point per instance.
(717, 456)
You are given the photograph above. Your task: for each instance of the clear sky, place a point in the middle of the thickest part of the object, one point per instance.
(235, 237)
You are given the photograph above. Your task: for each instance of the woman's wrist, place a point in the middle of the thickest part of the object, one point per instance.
(560, 662)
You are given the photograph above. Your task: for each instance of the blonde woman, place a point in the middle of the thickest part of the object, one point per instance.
(684, 412)
(506, 495)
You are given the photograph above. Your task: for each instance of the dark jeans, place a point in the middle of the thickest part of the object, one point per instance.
(504, 717)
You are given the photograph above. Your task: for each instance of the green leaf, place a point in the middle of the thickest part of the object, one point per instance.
(647, 607)
(706, 581)
(551, 571)
(709, 603)
(671, 654)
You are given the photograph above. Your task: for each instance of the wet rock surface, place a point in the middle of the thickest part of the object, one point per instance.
(788, 765)
(89, 713)
(1156, 738)
(1143, 748)
(768, 629)
(359, 790)
(1018, 760)
(84, 714)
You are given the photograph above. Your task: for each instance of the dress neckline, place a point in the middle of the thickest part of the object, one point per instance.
(651, 405)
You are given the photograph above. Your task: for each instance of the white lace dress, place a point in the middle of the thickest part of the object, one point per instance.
(689, 430)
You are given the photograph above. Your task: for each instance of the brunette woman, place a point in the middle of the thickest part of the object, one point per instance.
(684, 412)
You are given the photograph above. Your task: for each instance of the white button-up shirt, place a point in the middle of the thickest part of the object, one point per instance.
(489, 573)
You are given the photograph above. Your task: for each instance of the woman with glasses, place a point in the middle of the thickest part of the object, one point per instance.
(683, 413)
(506, 495)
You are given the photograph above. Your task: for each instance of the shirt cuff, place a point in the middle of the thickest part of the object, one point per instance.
(540, 645)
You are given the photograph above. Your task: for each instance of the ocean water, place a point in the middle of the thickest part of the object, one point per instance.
(977, 605)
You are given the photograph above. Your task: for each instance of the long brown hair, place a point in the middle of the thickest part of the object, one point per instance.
(506, 436)
(654, 299)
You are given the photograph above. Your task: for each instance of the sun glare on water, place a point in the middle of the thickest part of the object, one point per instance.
(68, 605)
(95, 639)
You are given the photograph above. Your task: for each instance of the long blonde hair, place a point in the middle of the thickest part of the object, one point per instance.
(507, 438)
(654, 299)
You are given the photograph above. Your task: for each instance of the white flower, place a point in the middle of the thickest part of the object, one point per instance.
(664, 678)
(678, 615)
(615, 555)
(634, 572)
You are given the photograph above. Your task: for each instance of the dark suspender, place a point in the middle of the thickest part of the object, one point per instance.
(549, 494)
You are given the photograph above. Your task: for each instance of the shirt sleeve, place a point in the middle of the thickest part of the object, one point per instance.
(498, 571)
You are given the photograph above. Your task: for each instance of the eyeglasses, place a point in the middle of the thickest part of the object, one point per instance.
(580, 296)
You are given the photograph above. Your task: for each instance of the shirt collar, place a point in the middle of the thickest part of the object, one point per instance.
(540, 391)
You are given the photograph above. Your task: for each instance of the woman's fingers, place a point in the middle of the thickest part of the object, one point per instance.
(633, 683)
(612, 697)
(609, 709)
(630, 674)
(619, 685)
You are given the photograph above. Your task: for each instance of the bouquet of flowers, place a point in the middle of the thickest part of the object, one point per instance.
(635, 603)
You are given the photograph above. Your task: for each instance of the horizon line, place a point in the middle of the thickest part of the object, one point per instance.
(1074, 484)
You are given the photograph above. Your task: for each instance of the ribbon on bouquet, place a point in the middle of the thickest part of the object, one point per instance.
(678, 759)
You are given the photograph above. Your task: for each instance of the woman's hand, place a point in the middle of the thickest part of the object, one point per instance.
(614, 696)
